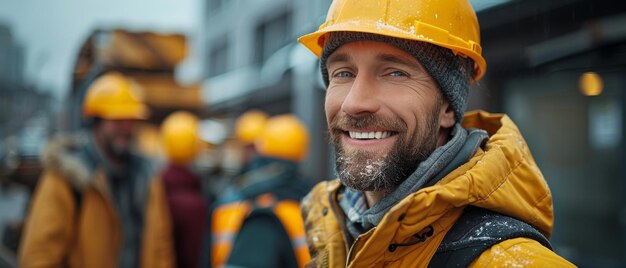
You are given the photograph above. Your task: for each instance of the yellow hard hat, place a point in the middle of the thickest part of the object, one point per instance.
(285, 137)
(249, 125)
(112, 96)
(447, 23)
(180, 137)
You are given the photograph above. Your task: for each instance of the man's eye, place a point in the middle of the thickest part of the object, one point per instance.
(398, 74)
(343, 74)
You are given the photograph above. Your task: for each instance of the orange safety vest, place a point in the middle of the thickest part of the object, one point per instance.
(227, 221)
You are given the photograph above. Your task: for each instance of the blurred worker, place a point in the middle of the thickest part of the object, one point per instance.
(183, 187)
(247, 128)
(265, 228)
(419, 184)
(96, 205)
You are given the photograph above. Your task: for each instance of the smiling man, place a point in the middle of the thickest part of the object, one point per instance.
(419, 184)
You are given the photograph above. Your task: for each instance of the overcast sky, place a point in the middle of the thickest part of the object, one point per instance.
(51, 31)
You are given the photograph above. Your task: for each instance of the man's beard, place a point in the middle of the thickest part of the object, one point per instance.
(363, 171)
(119, 153)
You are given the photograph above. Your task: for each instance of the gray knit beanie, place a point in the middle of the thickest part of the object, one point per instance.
(452, 73)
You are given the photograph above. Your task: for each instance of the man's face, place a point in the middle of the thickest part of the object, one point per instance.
(384, 112)
(117, 136)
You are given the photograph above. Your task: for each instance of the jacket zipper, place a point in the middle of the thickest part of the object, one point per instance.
(341, 220)
(350, 251)
(356, 241)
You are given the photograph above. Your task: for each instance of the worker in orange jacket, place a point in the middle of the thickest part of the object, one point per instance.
(96, 204)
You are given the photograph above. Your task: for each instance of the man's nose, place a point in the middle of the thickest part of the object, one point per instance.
(361, 99)
(125, 125)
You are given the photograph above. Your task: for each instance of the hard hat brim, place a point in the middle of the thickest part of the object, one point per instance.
(428, 33)
(122, 112)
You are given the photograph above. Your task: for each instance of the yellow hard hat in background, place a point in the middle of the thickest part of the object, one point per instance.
(249, 125)
(180, 137)
(284, 137)
(112, 96)
(447, 23)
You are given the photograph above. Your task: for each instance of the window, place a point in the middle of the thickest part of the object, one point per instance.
(271, 35)
(218, 58)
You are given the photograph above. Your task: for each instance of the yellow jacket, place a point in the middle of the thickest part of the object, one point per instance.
(56, 235)
(503, 178)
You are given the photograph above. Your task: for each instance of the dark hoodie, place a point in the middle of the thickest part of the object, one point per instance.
(188, 209)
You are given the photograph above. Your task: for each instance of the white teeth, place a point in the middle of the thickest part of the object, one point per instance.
(369, 135)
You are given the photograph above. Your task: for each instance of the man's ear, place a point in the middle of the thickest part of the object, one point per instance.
(446, 115)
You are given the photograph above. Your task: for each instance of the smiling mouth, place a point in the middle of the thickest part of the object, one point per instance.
(370, 135)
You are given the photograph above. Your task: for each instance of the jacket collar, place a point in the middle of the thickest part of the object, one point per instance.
(68, 156)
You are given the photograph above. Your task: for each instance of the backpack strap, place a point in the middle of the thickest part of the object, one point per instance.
(478, 230)
(226, 221)
(288, 212)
